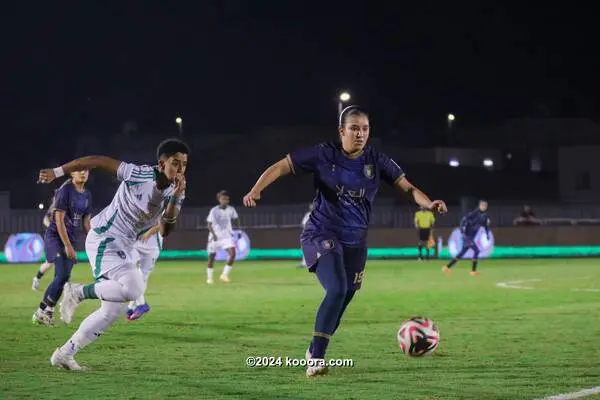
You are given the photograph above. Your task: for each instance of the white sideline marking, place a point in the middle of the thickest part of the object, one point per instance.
(517, 284)
(586, 290)
(574, 395)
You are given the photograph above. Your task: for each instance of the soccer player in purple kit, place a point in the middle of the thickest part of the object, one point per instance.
(469, 227)
(347, 175)
(70, 210)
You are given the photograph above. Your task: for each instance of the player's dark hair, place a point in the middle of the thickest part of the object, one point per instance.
(169, 147)
(222, 193)
(349, 112)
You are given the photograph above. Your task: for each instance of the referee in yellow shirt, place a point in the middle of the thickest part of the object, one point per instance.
(424, 221)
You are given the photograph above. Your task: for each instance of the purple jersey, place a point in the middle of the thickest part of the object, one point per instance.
(75, 205)
(473, 221)
(345, 189)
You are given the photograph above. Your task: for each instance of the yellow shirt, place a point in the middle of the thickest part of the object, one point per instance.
(424, 219)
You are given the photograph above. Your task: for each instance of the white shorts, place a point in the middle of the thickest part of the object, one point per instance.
(145, 258)
(222, 244)
(107, 252)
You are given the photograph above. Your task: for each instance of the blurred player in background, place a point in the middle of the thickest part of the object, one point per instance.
(304, 222)
(146, 251)
(220, 222)
(469, 226)
(70, 211)
(424, 221)
(147, 194)
(35, 285)
(347, 175)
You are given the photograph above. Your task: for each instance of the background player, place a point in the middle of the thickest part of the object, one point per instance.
(70, 210)
(220, 237)
(347, 176)
(35, 285)
(469, 226)
(146, 251)
(424, 221)
(146, 195)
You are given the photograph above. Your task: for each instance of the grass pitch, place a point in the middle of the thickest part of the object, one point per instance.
(534, 337)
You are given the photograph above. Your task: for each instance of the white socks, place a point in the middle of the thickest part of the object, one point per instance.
(92, 327)
(140, 301)
(210, 272)
(45, 267)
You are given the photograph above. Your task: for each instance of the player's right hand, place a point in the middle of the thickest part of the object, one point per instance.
(46, 176)
(179, 185)
(71, 254)
(250, 198)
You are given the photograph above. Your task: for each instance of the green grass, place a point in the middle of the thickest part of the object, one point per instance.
(496, 343)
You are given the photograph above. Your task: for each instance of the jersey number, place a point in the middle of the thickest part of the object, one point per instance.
(121, 254)
(358, 276)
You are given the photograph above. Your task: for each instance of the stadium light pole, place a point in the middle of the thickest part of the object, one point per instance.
(179, 122)
(344, 97)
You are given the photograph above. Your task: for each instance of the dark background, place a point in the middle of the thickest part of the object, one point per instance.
(235, 67)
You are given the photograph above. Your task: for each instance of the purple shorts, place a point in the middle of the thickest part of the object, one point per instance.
(354, 258)
(53, 246)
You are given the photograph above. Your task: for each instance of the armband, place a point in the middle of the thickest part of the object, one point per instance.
(169, 221)
(58, 172)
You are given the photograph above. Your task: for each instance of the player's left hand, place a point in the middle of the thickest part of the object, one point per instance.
(250, 198)
(46, 176)
(439, 206)
(179, 184)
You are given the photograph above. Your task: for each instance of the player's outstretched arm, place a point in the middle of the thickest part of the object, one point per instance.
(280, 168)
(84, 163)
(419, 197)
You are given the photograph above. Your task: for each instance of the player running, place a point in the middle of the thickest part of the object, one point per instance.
(45, 267)
(347, 175)
(146, 195)
(220, 222)
(146, 251)
(469, 226)
(70, 210)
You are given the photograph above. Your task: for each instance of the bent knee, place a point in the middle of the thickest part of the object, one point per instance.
(337, 293)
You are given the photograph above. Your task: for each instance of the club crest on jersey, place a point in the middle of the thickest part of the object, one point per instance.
(138, 196)
(369, 171)
(327, 244)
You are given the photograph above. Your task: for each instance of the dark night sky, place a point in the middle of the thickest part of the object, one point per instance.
(233, 66)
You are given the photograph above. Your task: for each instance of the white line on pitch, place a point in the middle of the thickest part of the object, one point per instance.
(517, 284)
(586, 290)
(574, 395)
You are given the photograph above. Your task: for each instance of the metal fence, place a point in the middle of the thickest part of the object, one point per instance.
(386, 216)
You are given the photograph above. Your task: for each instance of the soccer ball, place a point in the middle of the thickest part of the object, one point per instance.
(418, 336)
